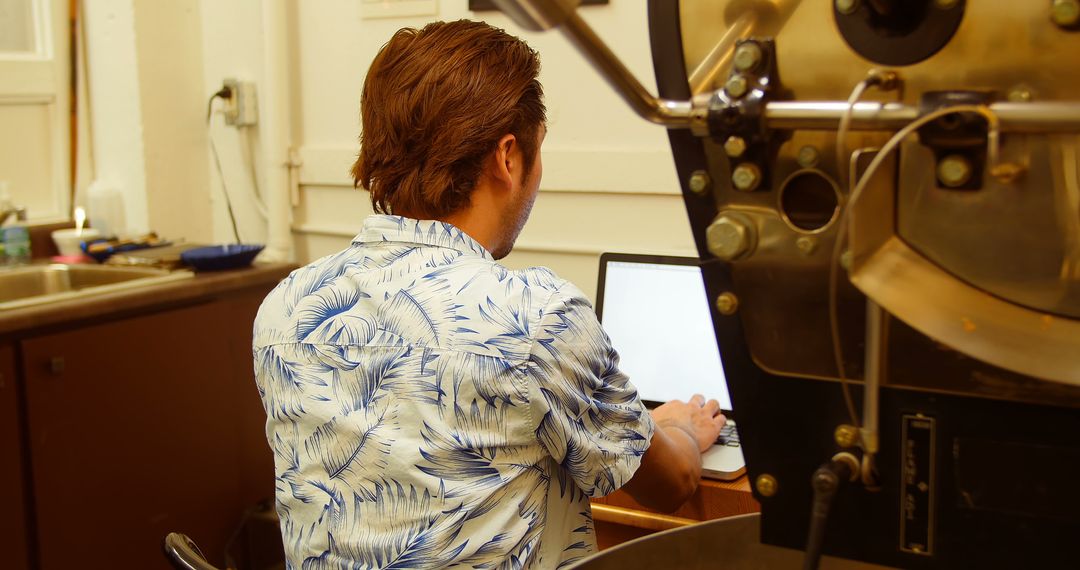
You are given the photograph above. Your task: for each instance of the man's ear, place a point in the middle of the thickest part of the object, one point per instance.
(504, 162)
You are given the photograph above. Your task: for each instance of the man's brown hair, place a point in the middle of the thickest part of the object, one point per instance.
(435, 103)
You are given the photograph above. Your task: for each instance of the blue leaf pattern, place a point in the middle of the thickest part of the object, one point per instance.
(429, 408)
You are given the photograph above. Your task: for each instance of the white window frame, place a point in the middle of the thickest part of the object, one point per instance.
(42, 77)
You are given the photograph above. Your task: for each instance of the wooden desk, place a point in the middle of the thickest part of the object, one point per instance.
(620, 518)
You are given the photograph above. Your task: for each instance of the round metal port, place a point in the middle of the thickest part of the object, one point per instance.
(809, 201)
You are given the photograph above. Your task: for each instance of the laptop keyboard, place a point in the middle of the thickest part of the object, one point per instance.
(728, 436)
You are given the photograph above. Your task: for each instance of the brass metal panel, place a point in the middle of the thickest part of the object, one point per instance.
(783, 289)
(1017, 245)
(976, 323)
(1020, 242)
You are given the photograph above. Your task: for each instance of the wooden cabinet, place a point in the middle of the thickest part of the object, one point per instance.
(620, 518)
(14, 547)
(143, 426)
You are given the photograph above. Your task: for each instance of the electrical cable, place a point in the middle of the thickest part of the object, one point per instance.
(223, 93)
(885, 80)
(826, 482)
(996, 168)
(249, 157)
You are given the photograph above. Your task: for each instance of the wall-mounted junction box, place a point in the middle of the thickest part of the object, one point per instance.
(241, 109)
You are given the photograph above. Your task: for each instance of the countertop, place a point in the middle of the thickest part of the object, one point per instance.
(118, 304)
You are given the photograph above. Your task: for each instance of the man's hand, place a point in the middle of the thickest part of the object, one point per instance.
(701, 420)
(671, 468)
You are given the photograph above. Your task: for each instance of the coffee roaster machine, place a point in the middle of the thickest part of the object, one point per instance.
(885, 195)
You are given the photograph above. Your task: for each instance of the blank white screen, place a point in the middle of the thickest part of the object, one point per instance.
(658, 319)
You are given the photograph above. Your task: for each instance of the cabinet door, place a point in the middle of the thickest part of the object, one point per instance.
(135, 432)
(13, 521)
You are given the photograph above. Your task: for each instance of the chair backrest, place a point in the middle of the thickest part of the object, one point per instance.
(183, 554)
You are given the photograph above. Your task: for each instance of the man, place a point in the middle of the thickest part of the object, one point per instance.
(428, 407)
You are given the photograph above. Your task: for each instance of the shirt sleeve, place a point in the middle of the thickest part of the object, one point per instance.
(588, 415)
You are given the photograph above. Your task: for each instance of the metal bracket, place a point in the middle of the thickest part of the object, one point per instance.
(958, 141)
(736, 116)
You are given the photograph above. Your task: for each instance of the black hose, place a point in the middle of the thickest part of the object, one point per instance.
(825, 482)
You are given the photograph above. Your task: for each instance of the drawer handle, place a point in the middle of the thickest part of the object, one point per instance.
(57, 365)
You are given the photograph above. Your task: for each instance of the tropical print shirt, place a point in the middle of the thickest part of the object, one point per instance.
(429, 408)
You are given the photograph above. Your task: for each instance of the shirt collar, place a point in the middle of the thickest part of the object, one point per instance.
(386, 228)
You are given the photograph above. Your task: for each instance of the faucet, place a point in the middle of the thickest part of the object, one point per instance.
(6, 211)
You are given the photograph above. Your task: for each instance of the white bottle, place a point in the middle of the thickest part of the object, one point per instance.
(105, 209)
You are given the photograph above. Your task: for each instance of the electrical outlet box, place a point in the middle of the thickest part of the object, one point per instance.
(241, 109)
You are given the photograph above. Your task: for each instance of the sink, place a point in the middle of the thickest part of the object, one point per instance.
(37, 284)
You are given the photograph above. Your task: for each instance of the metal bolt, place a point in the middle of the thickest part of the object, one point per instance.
(1065, 13)
(766, 485)
(847, 7)
(1020, 94)
(746, 177)
(954, 171)
(806, 245)
(747, 56)
(846, 435)
(808, 156)
(734, 146)
(728, 237)
(736, 86)
(946, 4)
(700, 183)
(727, 303)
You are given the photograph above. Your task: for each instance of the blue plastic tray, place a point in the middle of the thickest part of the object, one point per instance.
(218, 257)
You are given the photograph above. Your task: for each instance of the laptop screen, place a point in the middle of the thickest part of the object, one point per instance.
(657, 315)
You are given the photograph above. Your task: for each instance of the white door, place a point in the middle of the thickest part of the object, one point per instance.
(35, 106)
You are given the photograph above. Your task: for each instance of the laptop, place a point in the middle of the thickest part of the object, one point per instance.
(656, 312)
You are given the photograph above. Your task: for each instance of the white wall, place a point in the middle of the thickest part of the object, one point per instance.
(115, 104)
(609, 184)
(146, 101)
(609, 180)
(232, 40)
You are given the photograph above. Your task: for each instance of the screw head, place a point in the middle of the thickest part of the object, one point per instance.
(700, 182)
(846, 259)
(1020, 94)
(728, 237)
(847, 7)
(747, 56)
(766, 485)
(746, 177)
(808, 156)
(736, 86)
(806, 245)
(846, 435)
(727, 303)
(1065, 13)
(734, 146)
(954, 171)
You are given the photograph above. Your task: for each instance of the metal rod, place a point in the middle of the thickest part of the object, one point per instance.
(672, 114)
(703, 78)
(869, 116)
(873, 365)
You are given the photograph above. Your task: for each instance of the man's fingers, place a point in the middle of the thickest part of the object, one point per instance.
(697, 400)
(719, 420)
(712, 407)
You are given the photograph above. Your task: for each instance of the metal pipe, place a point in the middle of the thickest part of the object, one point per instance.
(1059, 117)
(873, 364)
(671, 114)
(274, 130)
(703, 78)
